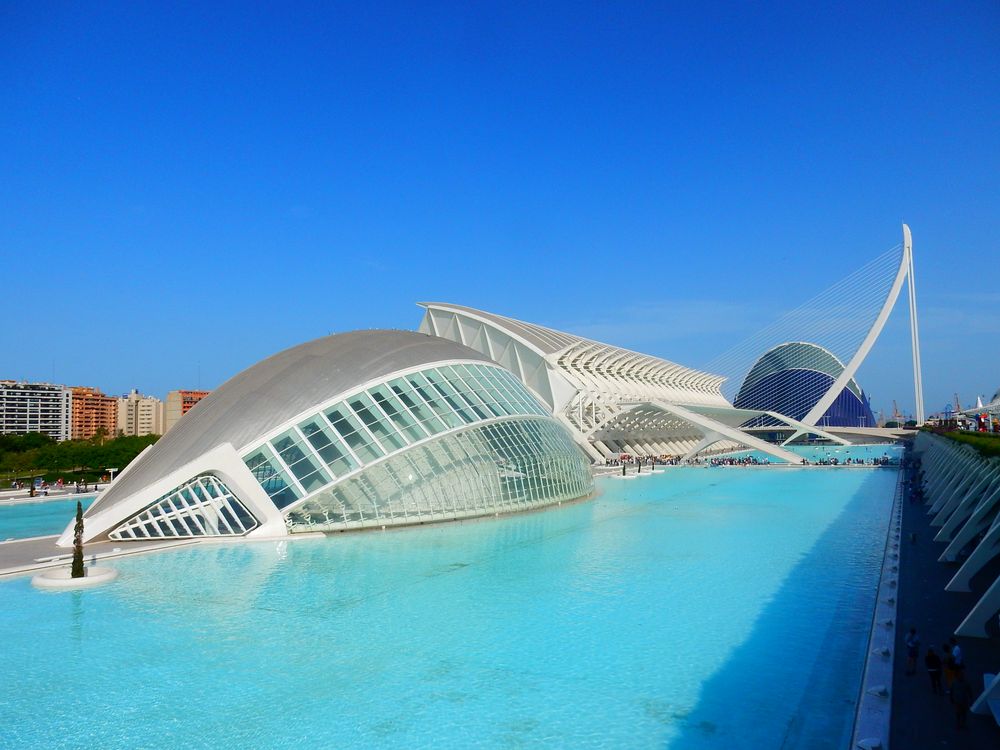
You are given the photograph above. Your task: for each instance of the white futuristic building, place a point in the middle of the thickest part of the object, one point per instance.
(612, 400)
(361, 429)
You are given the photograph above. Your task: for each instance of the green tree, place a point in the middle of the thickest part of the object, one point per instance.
(77, 569)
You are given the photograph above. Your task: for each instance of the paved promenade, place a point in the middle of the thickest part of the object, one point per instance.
(24, 556)
(921, 719)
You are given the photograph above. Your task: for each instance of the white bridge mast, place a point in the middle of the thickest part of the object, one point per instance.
(903, 273)
(918, 385)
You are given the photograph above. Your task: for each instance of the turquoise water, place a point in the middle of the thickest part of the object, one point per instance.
(696, 608)
(38, 519)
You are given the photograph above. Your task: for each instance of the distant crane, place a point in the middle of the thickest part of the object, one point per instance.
(896, 415)
(958, 406)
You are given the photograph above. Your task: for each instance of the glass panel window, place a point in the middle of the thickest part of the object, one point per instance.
(463, 385)
(289, 446)
(328, 446)
(397, 413)
(497, 401)
(347, 425)
(441, 385)
(423, 389)
(379, 426)
(275, 482)
(418, 408)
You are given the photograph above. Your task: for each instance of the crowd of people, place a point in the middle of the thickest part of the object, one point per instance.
(882, 460)
(626, 459)
(629, 460)
(740, 461)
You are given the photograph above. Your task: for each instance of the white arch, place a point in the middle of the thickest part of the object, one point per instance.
(904, 272)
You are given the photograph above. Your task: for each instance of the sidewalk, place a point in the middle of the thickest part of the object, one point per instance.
(19, 497)
(921, 719)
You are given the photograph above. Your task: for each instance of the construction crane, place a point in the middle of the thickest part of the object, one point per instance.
(896, 415)
(958, 406)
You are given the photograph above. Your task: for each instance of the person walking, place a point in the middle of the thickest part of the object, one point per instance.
(949, 667)
(933, 663)
(956, 653)
(961, 697)
(912, 651)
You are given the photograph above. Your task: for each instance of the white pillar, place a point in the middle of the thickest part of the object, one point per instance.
(918, 386)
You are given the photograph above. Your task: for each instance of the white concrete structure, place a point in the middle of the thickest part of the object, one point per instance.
(35, 407)
(904, 272)
(140, 415)
(362, 429)
(618, 401)
(612, 400)
(962, 491)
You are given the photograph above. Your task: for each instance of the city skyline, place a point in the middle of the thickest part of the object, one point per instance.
(185, 192)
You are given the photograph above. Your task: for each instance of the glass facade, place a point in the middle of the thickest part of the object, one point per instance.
(494, 468)
(204, 506)
(525, 459)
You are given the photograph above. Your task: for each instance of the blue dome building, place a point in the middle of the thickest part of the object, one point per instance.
(792, 377)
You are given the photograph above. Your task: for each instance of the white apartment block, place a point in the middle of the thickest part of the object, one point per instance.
(35, 407)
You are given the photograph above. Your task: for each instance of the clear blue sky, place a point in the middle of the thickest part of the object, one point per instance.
(187, 188)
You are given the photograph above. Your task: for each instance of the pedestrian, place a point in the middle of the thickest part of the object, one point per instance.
(956, 653)
(949, 667)
(961, 696)
(912, 651)
(933, 663)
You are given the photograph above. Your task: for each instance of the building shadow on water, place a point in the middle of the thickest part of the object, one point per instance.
(794, 681)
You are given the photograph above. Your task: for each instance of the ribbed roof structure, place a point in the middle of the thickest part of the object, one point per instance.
(278, 388)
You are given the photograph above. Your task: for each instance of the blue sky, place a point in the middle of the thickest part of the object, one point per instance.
(187, 188)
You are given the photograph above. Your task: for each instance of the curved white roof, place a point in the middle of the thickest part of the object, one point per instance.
(277, 389)
(577, 352)
(793, 355)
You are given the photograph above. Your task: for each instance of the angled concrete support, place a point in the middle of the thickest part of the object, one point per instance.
(979, 521)
(710, 438)
(974, 625)
(985, 551)
(954, 498)
(966, 505)
(958, 475)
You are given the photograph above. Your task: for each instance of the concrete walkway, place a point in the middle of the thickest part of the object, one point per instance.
(921, 719)
(23, 556)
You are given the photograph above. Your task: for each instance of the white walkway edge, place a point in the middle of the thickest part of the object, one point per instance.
(874, 710)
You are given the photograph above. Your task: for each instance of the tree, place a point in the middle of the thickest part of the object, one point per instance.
(77, 569)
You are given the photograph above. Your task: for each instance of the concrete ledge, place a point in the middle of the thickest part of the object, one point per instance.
(874, 709)
(61, 579)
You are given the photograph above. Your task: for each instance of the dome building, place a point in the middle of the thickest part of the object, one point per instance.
(792, 377)
(360, 429)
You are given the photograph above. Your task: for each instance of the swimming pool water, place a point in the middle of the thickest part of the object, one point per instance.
(23, 520)
(696, 608)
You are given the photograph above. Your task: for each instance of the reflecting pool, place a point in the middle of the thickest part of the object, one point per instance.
(694, 608)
